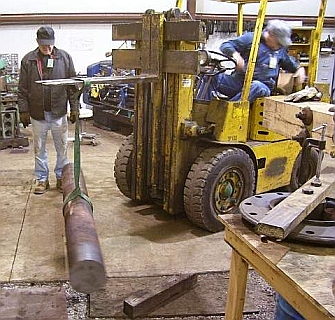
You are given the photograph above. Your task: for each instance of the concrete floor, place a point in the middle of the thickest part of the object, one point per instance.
(136, 240)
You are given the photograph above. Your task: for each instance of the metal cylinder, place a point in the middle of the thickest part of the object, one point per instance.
(85, 261)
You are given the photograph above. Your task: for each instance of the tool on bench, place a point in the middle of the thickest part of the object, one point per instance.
(317, 182)
(320, 145)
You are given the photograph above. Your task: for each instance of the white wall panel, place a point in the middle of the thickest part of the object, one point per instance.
(295, 7)
(85, 6)
(86, 43)
(289, 8)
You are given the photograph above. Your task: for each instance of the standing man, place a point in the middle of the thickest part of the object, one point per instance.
(46, 106)
(272, 56)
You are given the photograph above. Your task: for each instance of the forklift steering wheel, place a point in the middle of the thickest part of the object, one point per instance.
(217, 59)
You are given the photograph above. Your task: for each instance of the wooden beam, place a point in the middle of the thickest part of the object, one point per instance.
(190, 30)
(288, 214)
(181, 61)
(144, 301)
(127, 31)
(280, 116)
(174, 61)
(237, 287)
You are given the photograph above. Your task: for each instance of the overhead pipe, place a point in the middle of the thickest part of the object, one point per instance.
(103, 18)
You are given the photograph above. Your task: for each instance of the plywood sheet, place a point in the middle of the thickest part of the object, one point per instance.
(38, 303)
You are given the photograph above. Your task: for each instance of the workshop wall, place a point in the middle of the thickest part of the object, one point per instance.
(301, 8)
(88, 43)
(293, 8)
(79, 6)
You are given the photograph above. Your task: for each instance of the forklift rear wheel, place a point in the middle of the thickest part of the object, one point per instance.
(123, 166)
(216, 184)
(311, 170)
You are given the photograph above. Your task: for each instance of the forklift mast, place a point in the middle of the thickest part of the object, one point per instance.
(166, 45)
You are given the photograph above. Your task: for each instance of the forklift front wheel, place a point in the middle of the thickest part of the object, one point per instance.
(216, 184)
(123, 166)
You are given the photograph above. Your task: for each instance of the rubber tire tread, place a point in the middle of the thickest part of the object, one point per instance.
(123, 166)
(196, 188)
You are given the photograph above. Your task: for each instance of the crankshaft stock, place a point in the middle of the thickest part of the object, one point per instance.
(85, 261)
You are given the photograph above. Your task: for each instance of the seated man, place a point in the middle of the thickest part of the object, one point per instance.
(272, 55)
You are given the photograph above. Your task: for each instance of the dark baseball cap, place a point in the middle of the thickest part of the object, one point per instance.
(45, 36)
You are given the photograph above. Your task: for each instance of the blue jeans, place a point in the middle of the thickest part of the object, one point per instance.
(59, 132)
(232, 87)
(284, 311)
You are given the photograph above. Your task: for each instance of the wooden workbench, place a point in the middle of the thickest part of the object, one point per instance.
(302, 274)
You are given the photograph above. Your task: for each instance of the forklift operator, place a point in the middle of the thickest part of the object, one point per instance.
(272, 56)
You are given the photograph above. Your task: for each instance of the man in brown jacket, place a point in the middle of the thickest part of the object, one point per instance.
(45, 107)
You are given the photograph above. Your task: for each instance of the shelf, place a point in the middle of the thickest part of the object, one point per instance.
(304, 64)
(300, 44)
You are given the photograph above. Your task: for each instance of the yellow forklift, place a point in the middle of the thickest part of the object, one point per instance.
(189, 155)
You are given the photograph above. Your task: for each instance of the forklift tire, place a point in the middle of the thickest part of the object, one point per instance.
(312, 165)
(216, 184)
(123, 166)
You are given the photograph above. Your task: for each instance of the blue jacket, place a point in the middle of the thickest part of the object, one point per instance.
(262, 72)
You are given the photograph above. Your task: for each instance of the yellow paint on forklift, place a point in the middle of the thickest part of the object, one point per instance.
(275, 163)
(186, 82)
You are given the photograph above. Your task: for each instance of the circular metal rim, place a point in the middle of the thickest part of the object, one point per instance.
(311, 231)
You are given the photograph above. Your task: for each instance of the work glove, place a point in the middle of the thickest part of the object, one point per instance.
(309, 93)
(73, 116)
(25, 118)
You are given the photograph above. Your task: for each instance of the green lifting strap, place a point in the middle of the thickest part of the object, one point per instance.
(77, 192)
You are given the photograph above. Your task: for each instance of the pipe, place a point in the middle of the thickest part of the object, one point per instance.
(85, 261)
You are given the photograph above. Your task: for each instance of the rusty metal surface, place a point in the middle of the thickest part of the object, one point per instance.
(86, 266)
(317, 228)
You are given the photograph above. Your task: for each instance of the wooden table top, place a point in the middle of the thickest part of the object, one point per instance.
(312, 268)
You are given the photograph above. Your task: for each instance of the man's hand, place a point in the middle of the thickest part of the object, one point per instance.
(73, 116)
(309, 93)
(300, 76)
(25, 118)
(239, 61)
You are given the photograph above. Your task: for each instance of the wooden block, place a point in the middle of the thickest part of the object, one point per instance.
(181, 61)
(174, 61)
(280, 116)
(145, 301)
(126, 58)
(189, 30)
(288, 214)
(127, 31)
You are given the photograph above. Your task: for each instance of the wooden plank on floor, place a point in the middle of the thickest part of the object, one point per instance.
(288, 214)
(211, 290)
(144, 301)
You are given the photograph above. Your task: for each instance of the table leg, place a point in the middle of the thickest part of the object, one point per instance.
(236, 287)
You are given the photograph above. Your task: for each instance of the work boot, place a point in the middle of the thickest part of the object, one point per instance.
(59, 185)
(41, 187)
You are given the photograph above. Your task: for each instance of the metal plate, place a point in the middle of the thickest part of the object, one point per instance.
(317, 228)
